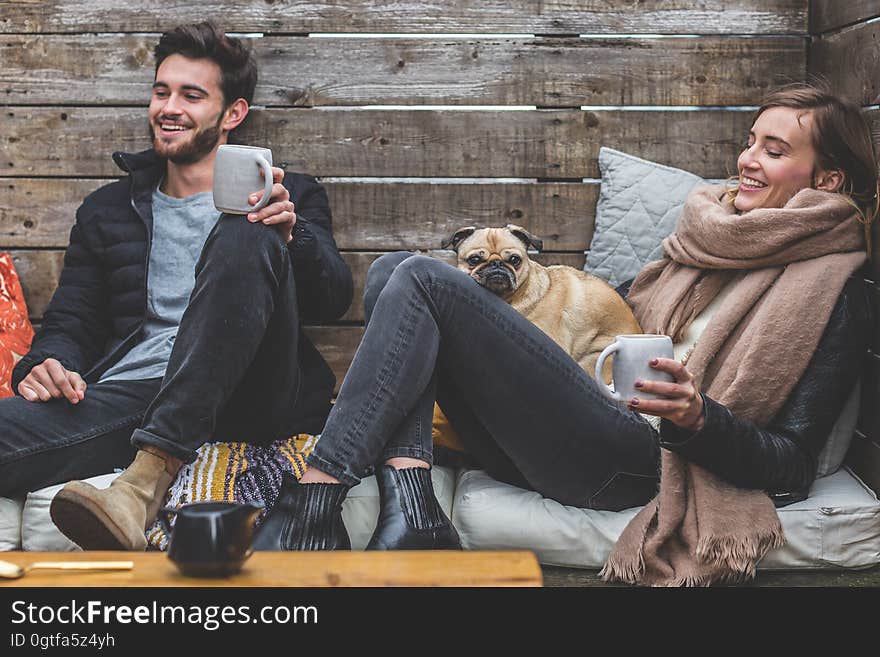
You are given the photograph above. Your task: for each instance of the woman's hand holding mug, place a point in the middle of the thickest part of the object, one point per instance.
(649, 380)
(680, 402)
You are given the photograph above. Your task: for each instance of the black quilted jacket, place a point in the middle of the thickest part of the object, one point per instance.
(97, 312)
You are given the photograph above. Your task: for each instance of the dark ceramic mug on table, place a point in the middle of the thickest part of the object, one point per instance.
(210, 538)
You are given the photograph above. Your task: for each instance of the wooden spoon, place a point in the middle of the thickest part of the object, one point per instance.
(13, 571)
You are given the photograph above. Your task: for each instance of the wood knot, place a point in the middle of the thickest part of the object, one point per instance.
(139, 58)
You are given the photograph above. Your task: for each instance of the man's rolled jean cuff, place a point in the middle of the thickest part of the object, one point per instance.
(141, 438)
(343, 475)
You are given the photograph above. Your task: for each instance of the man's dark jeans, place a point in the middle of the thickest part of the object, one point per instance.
(524, 409)
(233, 375)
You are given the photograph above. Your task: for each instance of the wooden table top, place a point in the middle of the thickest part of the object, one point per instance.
(421, 568)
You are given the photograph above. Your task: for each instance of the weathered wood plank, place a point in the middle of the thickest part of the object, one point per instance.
(395, 216)
(39, 271)
(118, 69)
(864, 459)
(544, 72)
(374, 216)
(856, 51)
(828, 15)
(76, 141)
(40, 212)
(421, 16)
(337, 345)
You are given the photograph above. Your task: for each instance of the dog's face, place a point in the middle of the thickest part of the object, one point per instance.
(496, 258)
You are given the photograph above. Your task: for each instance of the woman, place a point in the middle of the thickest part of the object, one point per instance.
(764, 271)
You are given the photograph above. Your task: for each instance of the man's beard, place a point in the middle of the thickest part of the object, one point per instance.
(191, 151)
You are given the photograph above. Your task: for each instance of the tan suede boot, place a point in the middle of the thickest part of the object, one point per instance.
(117, 517)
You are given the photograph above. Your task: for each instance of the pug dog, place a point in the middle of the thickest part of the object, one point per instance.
(580, 312)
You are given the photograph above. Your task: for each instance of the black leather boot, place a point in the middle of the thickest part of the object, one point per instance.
(410, 517)
(305, 517)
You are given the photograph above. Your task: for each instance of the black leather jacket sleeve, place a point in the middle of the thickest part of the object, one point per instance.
(781, 457)
(324, 285)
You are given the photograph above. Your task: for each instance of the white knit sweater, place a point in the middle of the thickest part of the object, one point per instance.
(682, 350)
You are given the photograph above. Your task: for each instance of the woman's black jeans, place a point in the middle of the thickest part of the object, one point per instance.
(523, 408)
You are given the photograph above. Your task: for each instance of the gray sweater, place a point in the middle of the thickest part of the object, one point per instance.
(180, 228)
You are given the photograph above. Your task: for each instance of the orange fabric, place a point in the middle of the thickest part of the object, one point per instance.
(16, 331)
(443, 433)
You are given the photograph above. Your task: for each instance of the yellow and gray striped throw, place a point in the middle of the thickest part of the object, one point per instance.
(235, 472)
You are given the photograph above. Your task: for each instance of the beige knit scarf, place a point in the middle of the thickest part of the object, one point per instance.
(788, 266)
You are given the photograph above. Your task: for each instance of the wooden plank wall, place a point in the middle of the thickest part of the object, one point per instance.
(500, 126)
(845, 50)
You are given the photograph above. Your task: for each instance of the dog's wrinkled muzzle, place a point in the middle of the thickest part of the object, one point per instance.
(497, 278)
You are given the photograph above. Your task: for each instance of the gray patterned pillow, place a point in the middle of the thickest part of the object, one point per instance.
(639, 204)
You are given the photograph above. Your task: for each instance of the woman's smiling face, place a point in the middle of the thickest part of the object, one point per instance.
(779, 160)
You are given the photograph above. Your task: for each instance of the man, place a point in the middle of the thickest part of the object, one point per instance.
(173, 324)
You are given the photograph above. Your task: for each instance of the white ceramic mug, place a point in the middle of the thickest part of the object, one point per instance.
(632, 355)
(237, 176)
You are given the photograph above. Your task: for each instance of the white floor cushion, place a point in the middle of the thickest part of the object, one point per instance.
(38, 532)
(10, 523)
(837, 526)
(359, 512)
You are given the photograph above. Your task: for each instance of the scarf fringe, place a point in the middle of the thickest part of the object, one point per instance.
(728, 560)
(738, 554)
(614, 571)
(629, 572)
(690, 581)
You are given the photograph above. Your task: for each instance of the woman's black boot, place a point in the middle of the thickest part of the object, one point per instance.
(305, 517)
(410, 517)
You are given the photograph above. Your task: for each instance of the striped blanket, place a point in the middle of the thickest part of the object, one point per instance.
(235, 472)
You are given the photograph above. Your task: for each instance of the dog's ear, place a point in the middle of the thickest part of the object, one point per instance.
(458, 237)
(526, 237)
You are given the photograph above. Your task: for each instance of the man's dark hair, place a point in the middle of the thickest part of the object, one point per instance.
(238, 68)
